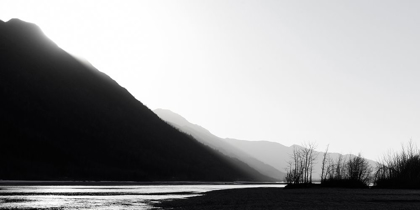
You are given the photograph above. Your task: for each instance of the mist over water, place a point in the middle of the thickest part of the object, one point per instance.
(101, 197)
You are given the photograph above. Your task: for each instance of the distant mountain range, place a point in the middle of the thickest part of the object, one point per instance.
(61, 119)
(278, 155)
(219, 144)
(269, 158)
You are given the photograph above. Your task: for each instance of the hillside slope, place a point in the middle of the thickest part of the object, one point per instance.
(63, 120)
(207, 138)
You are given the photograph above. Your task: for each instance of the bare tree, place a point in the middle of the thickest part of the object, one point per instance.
(301, 168)
(352, 172)
(309, 156)
(358, 170)
(324, 161)
(295, 173)
(338, 168)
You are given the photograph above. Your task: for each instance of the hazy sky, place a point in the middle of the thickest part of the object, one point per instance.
(344, 73)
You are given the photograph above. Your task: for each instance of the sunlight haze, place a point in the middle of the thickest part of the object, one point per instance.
(344, 73)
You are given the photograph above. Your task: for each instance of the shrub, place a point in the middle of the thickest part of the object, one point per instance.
(399, 170)
(352, 173)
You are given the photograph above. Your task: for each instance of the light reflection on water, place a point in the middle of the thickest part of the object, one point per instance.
(100, 197)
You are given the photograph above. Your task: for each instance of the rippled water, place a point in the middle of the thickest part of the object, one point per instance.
(100, 197)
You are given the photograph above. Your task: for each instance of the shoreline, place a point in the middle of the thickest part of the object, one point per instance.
(125, 183)
(311, 198)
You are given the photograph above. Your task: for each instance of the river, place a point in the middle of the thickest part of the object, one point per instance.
(103, 197)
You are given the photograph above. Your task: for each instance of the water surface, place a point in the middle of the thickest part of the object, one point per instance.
(102, 197)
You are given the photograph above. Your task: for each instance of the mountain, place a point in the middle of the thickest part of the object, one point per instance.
(61, 119)
(269, 158)
(278, 155)
(272, 153)
(207, 138)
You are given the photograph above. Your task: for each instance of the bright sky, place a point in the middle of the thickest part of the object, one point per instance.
(344, 73)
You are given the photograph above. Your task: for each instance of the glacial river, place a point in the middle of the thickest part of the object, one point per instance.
(102, 197)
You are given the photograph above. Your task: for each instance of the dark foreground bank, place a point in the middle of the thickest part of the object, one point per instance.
(316, 198)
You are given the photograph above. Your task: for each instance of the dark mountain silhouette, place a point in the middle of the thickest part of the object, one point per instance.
(207, 138)
(62, 119)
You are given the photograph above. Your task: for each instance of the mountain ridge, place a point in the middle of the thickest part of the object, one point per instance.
(274, 154)
(217, 143)
(65, 120)
(277, 155)
(179, 120)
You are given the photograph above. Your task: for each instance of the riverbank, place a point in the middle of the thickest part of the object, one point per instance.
(314, 198)
(123, 183)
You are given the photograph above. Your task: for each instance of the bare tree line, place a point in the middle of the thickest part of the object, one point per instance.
(354, 171)
(395, 170)
(301, 167)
